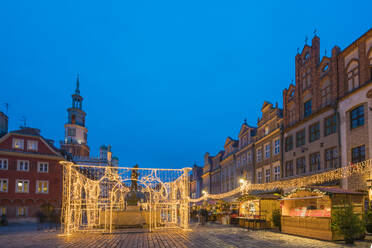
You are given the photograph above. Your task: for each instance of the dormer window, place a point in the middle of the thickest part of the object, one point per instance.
(32, 145)
(325, 68)
(306, 57)
(291, 94)
(18, 144)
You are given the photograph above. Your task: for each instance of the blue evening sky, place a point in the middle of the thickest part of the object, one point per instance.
(163, 81)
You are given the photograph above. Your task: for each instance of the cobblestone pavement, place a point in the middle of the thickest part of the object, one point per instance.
(198, 237)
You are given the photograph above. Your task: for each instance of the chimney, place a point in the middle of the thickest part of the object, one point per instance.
(3, 124)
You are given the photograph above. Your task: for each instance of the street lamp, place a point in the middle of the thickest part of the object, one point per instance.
(241, 180)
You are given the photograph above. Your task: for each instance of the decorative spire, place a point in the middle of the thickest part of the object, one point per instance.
(306, 40)
(245, 121)
(77, 91)
(315, 32)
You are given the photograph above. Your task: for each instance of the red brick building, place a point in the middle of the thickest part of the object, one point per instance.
(30, 175)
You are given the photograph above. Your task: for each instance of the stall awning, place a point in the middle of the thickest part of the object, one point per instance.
(301, 198)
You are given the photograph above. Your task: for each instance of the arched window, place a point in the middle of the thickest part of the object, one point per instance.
(370, 63)
(352, 73)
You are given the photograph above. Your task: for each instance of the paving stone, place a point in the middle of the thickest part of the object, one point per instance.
(197, 237)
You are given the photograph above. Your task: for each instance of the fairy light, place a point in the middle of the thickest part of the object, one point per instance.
(336, 174)
(93, 196)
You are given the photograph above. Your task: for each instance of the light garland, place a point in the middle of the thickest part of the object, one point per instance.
(328, 176)
(96, 196)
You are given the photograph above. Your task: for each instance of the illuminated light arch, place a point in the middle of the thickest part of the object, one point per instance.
(94, 197)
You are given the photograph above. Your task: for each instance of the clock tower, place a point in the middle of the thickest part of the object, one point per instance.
(75, 142)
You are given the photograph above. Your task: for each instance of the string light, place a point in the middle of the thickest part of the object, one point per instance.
(328, 176)
(94, 196)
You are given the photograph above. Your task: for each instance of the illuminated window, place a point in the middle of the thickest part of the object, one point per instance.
(42, 187)
(32, 145)
(3, 164)
(42, 167)
(22, 186)
(21, 211)
(2, 211)
(23, 165)
(3, 185)
(18, 144)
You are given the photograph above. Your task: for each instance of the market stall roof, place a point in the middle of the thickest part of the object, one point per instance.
(332, 190)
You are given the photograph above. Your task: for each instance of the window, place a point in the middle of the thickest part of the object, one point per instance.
(244, 160)
(22, 165)
(259, 177)
(276, 172)
(276, 146)
(331, 158)
(266, 130)
(32, 145)
(353, 75)
(42, 167)
(238, 162)
(358, 154)
(259, 155)
(3, 185)
(21, 211)
(314, 132)
(2, 211)
(3, 164)
(18, 143)
(249, 157)
(267, 175)
(301, 166)
(289, 168)
(71, 132)
(325, 94)
(330, 125)
(315, 162)
(357, 117)
(307, 108)
(267, 151)
(22, 186)
(42, 187)
(288, 143)
(300, 138)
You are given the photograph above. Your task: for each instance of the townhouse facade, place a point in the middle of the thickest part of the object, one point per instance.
(326, 123)
(311, 141)
(268, 144)
(355, 107)
(30, 175)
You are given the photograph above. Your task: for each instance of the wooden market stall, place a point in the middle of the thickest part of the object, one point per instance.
(256, 210)
(308, 211)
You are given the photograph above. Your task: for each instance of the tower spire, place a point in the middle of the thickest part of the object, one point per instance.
(77, 91)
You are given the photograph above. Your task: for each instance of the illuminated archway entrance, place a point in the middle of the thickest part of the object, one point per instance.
(104, 198)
